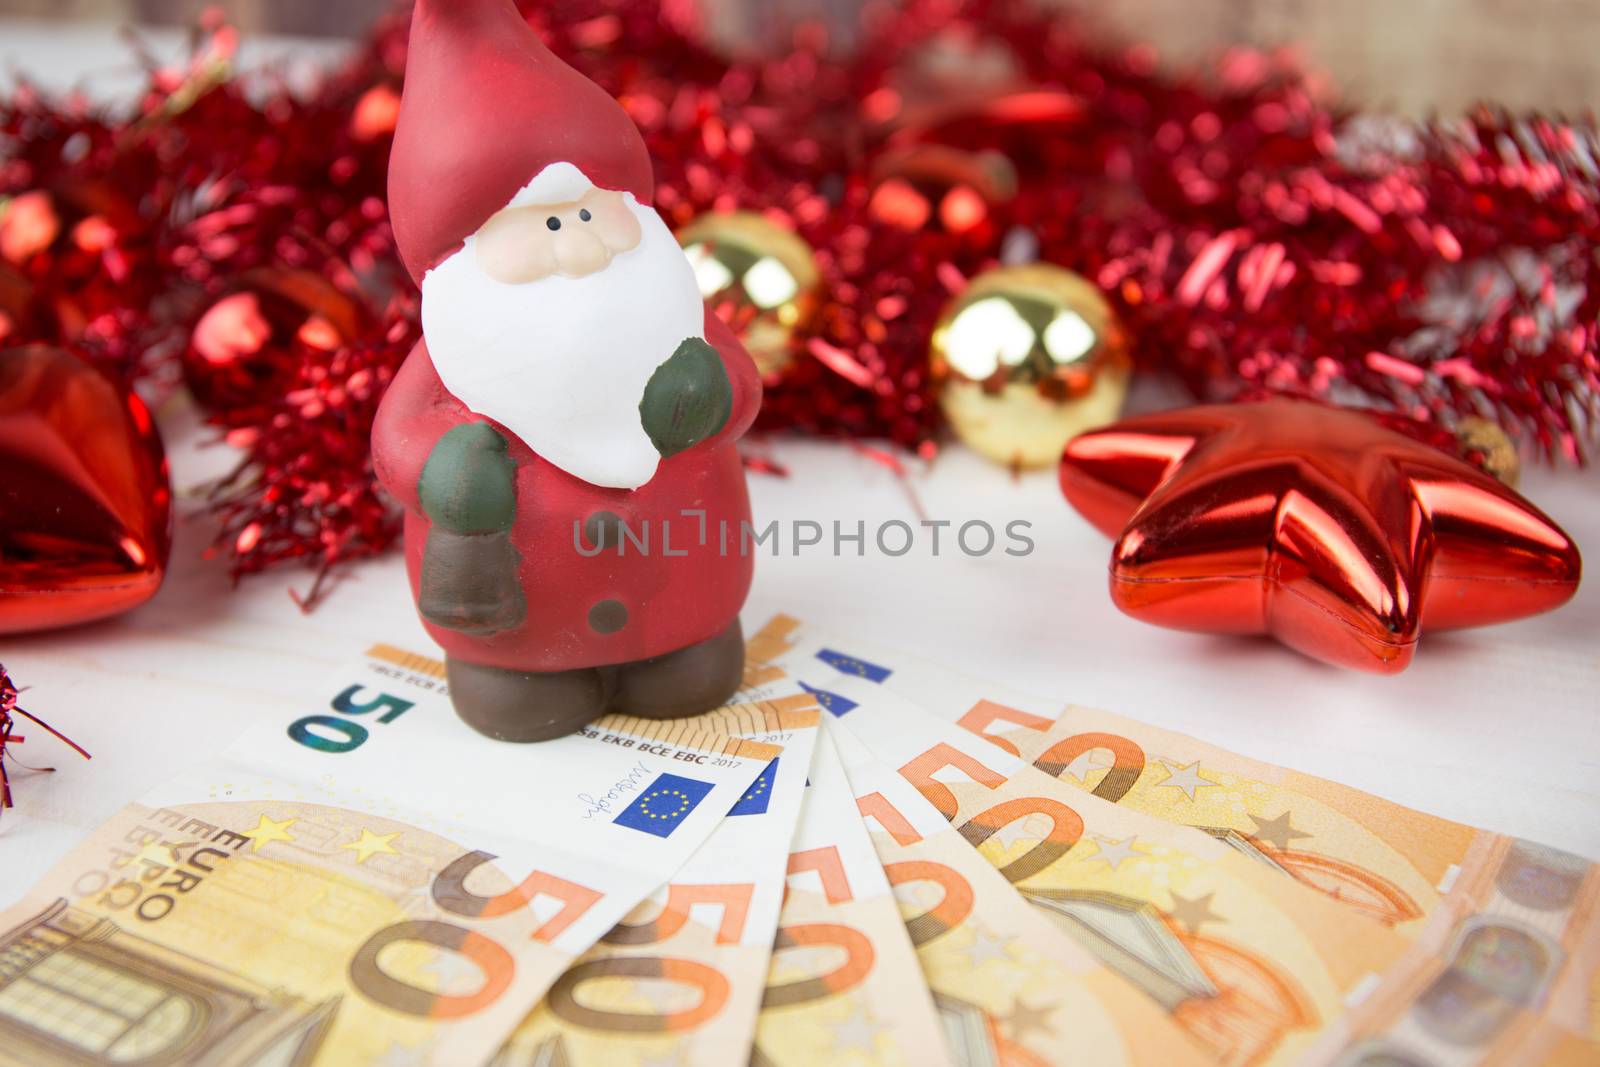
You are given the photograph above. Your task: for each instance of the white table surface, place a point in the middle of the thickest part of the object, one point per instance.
(1496, 727)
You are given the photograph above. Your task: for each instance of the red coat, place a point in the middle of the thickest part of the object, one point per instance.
(672, 601)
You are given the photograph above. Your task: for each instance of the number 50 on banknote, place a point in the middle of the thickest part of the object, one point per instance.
(362, 881)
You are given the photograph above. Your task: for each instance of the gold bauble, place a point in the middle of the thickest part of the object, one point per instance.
(1025, 359)
(1499, 452)
(761, 278)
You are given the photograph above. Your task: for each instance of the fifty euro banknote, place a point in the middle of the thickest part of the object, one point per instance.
(1252, 967)
(680, 979)
(1010, 987)
(362, 881)
(1509, 926)
(844, 985)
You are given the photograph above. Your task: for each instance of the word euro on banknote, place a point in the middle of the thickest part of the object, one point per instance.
(680, 979)
(1511, 927)
(844, 986)
(361, 882)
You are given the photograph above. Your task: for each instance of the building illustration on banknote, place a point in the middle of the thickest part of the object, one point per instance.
(1229, 999)
(1347, 883)
(973, 1035)
(552, 1052)
(76, 989)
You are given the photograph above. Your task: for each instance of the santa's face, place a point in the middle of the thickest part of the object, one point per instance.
(524, 244)
(552, 318)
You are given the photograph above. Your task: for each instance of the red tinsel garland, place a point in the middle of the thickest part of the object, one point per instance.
(1253, 239)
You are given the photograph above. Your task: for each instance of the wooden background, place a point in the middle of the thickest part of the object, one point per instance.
(1412, 56)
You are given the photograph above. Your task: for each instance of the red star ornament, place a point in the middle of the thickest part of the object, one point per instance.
(1316, 525)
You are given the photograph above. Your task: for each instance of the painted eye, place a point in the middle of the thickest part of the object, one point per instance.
(553, 222)
(584, 215)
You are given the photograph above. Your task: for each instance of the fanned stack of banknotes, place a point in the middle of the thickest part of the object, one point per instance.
(870, 860)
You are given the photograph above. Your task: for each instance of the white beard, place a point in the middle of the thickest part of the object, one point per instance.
(563, 362)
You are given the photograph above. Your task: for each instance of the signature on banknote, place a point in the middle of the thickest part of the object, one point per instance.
(628, 783)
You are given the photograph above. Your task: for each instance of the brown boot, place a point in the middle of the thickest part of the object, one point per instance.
(682, 683)
(524, 706)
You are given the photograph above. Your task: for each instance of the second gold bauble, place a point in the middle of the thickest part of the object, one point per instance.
(761, 278)
(1025, 359)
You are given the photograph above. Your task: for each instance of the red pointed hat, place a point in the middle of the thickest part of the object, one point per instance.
(486, 108)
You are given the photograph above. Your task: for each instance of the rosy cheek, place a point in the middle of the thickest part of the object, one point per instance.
(515, 248)
(615, 224)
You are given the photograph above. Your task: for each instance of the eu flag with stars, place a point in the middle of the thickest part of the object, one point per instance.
(832, 703)
(851, 665)
(759, 795)
(664, 804)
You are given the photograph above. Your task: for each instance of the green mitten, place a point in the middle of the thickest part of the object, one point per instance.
(688, 399)
(469, 568)
(469, 484)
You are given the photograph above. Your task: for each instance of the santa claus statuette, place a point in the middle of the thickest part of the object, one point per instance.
(563, 439)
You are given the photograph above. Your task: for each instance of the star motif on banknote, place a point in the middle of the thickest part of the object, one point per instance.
(268, 831)
(1025, 1019)
(372, 844)
(1185, 779)
(1016, 830)
(1082, 764)
(158, 855)
(453, 974)
(1115, 852)
(802, 962)
(858, 1031)
(1193, 912)
(1277, 832)
(985, 948)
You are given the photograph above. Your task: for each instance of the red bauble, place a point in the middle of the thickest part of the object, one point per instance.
(72, 239)
(1032, 129)
(1316, 525)
(248, 345)
(932, 184)
(85, 505)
